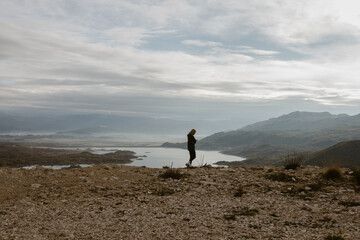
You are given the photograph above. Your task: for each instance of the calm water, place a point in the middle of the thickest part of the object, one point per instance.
(157, 157)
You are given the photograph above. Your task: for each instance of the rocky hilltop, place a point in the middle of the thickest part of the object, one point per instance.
(122, 202)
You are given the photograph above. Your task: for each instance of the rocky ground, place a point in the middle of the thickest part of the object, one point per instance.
(122, 202)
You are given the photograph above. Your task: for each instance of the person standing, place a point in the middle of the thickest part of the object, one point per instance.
(191, 147)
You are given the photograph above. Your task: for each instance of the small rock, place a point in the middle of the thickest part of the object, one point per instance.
(35, 185)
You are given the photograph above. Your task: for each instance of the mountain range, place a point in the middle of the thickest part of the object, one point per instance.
(260, 142)
(302, 132)
(297, 129)
(95, 125)
(302, 121)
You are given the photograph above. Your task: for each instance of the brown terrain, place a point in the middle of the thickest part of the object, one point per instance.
(109, 201)
(15, 155)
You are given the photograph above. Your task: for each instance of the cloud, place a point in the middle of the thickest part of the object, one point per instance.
(199, 43)
(246, 49)
(94, 54)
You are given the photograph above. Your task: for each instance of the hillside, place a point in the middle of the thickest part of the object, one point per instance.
(344, 154)
(298, 130)
(301, 121)
(262, 143)
(121, 202)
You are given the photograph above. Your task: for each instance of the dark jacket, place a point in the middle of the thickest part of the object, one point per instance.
(191, 142)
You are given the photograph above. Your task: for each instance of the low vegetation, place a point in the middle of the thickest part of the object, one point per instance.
(334, 237)
(245, 211)
(349, 203)
(333, 173)
(230, 217)
(239, 192)
(356, 175)
(316, 186)
(172, 173)
(280, 177)
(164, 192)
(292, 161)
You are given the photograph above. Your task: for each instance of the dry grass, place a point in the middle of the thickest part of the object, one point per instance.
(292, 161)
(333, 173)
(172, 173)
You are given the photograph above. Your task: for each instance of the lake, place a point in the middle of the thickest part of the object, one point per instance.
(157, 157)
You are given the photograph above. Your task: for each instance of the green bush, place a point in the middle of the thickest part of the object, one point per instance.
(333, 173)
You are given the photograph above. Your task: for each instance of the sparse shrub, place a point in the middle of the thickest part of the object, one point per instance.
(166, 167)
(356, 176)
(349, 203)
(230, 217)
(172, 173)
(316, 186)
(246, 211)
(292, 161)
(206, 165)
(327, 219)
(333, 173)
(164, 192)
(281, 177)
(334, 237)
(239, 192)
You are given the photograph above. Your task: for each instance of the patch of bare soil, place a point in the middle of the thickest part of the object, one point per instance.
(122, 202)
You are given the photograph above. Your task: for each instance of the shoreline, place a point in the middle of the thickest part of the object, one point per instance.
(153, 157)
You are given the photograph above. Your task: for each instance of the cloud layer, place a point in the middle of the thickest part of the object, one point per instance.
(146, 57)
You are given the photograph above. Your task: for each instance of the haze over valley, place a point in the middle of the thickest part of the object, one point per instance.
(262, 142)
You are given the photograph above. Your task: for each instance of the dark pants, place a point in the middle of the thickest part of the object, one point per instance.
(192, 155)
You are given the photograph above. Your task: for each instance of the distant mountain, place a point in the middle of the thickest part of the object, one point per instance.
(343, 154)
(11, 123)
(303, 121)
(92, 125)
(263, 143)
(266, 151)
(300, 129)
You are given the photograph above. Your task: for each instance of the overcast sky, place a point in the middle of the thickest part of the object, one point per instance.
(195, 59)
